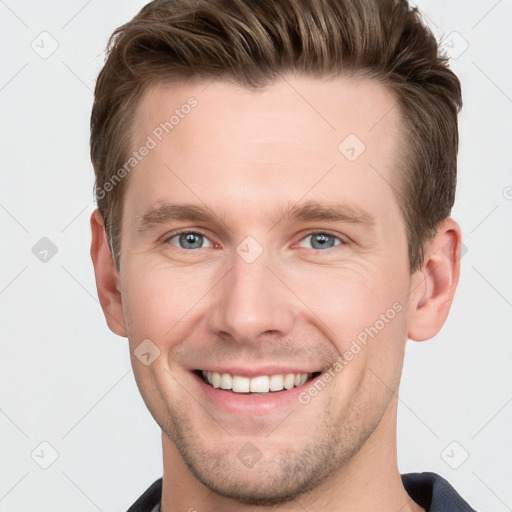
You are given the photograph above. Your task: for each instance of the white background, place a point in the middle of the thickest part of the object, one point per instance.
(67, 380)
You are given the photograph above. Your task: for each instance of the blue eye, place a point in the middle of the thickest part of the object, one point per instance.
(192, 240)
(322, 240)
(189, 240)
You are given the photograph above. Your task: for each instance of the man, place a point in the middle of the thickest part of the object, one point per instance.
(274, 183)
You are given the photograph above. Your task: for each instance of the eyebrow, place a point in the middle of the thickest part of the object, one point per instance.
(309, 211)
(321, 212)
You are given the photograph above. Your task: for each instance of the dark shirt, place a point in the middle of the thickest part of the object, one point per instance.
(429, 490)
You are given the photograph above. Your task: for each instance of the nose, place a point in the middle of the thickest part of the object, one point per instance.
(252, 300)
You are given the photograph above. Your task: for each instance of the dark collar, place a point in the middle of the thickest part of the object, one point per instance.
(434, 493)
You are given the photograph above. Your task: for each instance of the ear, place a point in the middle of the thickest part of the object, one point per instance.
(107, 276)
(433, 286)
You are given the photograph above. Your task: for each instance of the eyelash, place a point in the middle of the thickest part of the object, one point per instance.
(311, 233)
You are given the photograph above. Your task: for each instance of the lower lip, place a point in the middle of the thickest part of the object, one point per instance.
(253, 403)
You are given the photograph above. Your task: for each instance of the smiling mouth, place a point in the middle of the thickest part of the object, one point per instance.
(259, 384)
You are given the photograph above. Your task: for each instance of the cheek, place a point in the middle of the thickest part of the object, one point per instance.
(352, 302)
(364, 315)
(155, 301)
(166, 303)
(362, 312)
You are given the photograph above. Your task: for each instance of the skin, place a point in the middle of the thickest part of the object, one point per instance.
(248, 156)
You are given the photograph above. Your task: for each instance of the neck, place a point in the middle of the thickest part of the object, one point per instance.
(371, 481)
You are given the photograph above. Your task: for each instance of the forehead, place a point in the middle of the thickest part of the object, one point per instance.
(297, 138)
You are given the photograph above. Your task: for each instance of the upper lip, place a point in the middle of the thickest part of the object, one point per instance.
(245, 371)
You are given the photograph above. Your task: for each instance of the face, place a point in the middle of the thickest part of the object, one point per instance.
(259, 242)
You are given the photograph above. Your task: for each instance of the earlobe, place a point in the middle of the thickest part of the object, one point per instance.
(433, 286)
(107, 277)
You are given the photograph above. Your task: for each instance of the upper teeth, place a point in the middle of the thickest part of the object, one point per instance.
(260, 384)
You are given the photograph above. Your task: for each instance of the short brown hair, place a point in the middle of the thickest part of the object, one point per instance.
(252, 42)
